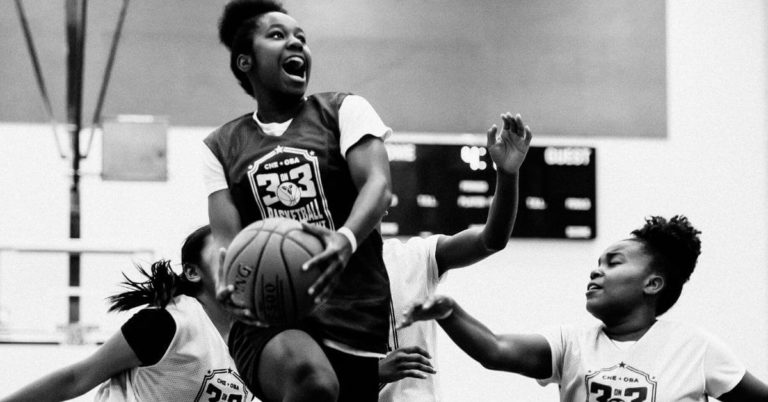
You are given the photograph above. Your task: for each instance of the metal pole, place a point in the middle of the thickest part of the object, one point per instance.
(76, 13)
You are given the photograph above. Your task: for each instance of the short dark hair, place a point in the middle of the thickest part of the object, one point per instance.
(674, 246)
(237, 24)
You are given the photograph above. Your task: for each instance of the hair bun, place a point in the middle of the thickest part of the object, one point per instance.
(236, 12)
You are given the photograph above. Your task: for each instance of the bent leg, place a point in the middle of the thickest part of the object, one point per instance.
(293, 367)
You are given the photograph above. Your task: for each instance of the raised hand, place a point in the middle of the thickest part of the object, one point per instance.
(409, 361)
(508, 148)
(436, 307)
(331, 261)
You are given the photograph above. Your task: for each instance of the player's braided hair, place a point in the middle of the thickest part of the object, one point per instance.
(162, 284)
(236, 27)
(674, 246)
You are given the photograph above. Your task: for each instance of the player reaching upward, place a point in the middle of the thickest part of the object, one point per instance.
(632, 355)
(416, 266)
(172, 350)
(319, 159)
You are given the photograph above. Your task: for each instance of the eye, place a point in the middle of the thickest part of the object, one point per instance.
(302, 38)
(276, 35)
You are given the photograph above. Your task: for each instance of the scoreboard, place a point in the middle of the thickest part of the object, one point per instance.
(445, 186)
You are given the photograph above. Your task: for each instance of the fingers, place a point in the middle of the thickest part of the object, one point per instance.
(412, 374)
(224, 294)
(520, 127)
(491, 135)
(416, 350)
(315, 230)
(417, 366)
(528, 135)
(322, 287)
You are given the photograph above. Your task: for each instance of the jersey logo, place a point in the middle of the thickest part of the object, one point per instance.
(223, 385)
(286, 183)
(620, 383)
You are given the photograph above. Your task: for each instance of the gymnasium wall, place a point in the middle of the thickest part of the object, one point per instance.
(438, 66)
(710, 166)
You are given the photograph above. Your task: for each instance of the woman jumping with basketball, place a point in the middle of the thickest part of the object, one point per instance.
(173, 350)
(319, 159)
(632, 355)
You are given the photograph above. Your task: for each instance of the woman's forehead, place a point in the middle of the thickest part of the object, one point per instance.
(274, 18)
(628, 247)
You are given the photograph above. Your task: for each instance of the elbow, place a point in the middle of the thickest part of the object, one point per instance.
(492, 358)
(386, 197)
(384, 193)
(491, 362)
(494, 244)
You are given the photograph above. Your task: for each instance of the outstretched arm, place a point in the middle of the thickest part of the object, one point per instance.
(526, 354)
(74, 380)
(508, 150)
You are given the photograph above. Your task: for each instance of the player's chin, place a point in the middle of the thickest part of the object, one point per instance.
(594, 307)
(293, 85)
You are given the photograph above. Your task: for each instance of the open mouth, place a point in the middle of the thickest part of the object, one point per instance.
(593, 286)
(295, 66)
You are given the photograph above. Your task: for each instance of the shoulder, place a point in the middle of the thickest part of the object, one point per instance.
(228, 129)
(332, 97)
(667, 329)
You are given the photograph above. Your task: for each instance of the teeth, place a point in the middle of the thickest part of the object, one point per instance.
(295, 61)
(294, 65)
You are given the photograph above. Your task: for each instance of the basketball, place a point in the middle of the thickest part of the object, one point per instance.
(264, 261)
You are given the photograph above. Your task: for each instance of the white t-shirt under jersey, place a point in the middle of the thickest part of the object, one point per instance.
(357, 118)
(413, 275)
(671, 362)
(196, 367)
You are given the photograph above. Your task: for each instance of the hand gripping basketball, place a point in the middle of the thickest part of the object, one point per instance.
(330, 263)
(263, 280)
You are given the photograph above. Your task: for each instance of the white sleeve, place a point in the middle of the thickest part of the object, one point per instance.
(433, 274)
(558, 339)
(722, 370)
(213, 173)
(356, 120)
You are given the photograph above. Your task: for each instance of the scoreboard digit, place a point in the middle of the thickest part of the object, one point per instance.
(448, 187)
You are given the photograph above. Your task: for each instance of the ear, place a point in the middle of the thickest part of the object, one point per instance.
(654, 284)
(192, 273)
(244, 62)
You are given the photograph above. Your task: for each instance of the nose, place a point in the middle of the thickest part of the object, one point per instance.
(595, 273)
(295, 43)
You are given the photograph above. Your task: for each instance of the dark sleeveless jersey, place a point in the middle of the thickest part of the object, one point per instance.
(302, 175)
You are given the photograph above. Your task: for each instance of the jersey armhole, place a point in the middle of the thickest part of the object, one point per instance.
(150, 333)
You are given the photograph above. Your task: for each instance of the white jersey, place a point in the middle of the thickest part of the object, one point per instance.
(196, 366)
(413, 275)
(671, 362)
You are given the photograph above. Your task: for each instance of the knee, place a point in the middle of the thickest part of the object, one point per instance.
(317, 383)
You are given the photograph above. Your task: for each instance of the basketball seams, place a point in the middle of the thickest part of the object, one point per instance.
(289, 276)
(298, 243)
(270, 238)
